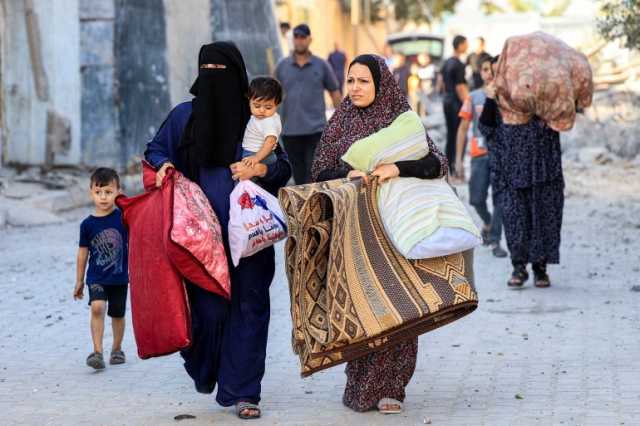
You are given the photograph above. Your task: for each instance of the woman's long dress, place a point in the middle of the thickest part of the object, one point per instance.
(386, 373)
(229, 338)
(529, 184)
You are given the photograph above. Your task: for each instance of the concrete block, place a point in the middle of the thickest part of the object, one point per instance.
(24, 215)
(21, 190)
(62, 200)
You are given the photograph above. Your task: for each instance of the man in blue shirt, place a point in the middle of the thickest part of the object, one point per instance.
(304, 78)
(338, 61)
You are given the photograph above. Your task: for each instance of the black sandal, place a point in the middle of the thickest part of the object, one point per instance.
(247, 410)
(518, 277)
(540, 276)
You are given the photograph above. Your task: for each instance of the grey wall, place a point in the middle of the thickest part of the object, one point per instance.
(114, 69)
(252, 26)
(141, 72)
(100, 125)
(25, 113)
(188, 28)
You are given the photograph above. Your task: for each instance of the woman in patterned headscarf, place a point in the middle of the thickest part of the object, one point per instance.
(374, 100)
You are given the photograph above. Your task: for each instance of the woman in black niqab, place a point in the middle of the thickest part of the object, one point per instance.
(220, 109)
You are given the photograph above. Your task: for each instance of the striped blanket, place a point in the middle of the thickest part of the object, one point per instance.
(412, 210)
(351, 291)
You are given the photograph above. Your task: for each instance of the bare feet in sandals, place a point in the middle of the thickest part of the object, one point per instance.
(246, 410)
(389, 406)
(518, 277)
(540, 276)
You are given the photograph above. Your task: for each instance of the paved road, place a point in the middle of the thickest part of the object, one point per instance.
(570, 352)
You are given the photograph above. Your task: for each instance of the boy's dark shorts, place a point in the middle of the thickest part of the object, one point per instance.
(115, 295)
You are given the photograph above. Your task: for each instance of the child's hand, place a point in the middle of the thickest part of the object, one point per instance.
(250, 161)
(78, 291)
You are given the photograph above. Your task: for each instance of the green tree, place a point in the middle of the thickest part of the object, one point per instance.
(621, 21)
(545, 7)
(406, 10)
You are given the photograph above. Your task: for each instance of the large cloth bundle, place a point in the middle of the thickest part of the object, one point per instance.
(541, 75)
(351, 291)
(173, 234)
(423, 217)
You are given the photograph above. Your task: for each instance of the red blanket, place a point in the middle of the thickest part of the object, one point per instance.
(173, 234)
(539, 74)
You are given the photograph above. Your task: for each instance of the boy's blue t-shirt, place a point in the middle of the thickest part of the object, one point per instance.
(106, 238)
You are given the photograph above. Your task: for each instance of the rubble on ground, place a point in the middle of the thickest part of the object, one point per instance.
(33, 196)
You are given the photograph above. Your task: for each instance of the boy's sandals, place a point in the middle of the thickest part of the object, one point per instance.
(117, 357)
(518, 277)
(389, 406)
(541, 278)
(96, 361)
(246, 410)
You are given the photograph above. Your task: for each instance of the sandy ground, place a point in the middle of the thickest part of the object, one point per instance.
(564, 355)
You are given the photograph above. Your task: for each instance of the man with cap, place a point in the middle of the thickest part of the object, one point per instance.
(304, 78)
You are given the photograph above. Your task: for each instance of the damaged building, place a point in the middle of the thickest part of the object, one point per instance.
(88, 82)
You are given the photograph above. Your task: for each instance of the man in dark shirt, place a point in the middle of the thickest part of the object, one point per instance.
(474, 61)
(338, 60)
(455, 92)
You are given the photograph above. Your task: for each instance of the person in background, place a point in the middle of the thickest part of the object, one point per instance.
(304, 78)
(455, 92)
(287, 38)
(474, 60)
(103, 244)
(401, 72)
(387, 54)
(529, 181)
(338, 60)
(481, 156)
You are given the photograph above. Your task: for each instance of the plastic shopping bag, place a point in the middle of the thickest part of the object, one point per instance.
(255, 221)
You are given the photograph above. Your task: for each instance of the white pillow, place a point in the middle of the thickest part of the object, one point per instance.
(443, 242)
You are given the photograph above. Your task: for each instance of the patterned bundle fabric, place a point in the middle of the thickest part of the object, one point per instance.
(541, 75)
(351, 292)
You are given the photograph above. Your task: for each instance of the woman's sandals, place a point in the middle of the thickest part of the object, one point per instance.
(389, 406)
(246, 410)
(518, 277)
(540, 276)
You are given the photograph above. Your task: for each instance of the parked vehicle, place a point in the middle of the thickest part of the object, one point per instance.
(417, 61)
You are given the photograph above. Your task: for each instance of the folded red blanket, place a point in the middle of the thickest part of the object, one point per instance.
(173, 235)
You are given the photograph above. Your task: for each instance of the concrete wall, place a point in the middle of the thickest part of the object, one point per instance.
(141, 72)
(188, 28)
(100, 123)
(252, 26)
(113, 70)
(25, 114)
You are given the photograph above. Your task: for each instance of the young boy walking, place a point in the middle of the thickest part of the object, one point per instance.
(103, 245)
(480, 163)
